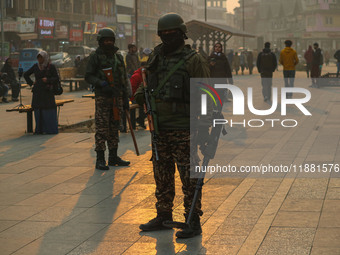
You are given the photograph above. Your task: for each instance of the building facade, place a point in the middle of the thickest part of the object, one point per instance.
(302, 21)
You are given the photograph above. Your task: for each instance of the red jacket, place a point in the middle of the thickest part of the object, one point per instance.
(309, 55)
(135, 80)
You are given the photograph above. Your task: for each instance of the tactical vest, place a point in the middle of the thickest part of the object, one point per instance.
(177, 86)
(117, 64)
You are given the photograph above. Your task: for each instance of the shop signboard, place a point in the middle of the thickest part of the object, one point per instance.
(26, 25)
(46, 28)
(61, 30)
(90, 28)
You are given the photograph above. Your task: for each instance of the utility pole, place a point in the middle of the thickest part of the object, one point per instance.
(91, 18)
(2, 30)
(243, 25)
(136, 23)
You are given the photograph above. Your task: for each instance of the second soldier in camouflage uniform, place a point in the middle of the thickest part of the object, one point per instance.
(172, 103)
(106, 126)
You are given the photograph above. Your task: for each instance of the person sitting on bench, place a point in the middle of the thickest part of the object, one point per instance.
(11, 79)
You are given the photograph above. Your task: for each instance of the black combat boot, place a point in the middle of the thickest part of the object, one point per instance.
(114, 160)
(157, 223)
(193, 230)
(101, 163)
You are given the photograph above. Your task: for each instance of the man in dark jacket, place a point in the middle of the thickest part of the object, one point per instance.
(132, 60)
(317, 63)
(111, 98)
(266, 65)
(250, 60)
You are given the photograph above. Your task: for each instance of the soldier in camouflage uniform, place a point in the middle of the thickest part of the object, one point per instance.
(172, 105)
(106, 126)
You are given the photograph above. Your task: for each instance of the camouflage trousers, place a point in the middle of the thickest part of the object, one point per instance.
(106, 127)
(173, 149)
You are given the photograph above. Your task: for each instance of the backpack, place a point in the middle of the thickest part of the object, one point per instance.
(267, 62)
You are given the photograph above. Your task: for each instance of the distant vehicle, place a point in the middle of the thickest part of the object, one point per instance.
(61, 59)
(15, 59)
(82, 51)
(28, 57)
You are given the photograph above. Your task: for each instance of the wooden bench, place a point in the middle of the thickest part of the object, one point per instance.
(75, 81)
(89, 96)
(28, 109)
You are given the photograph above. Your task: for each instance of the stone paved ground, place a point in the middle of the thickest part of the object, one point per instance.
(53, 201)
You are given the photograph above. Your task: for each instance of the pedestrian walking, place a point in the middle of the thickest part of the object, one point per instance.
(243, 62)
(266, 64)
(277, 55)
(43, 100)
(316, 65)
(132, 60)
(309, 59)
(337, 57)
(111, 98)
(236, 63)
(230, 57)
(171, 104)
(250, 61)
(288, 59)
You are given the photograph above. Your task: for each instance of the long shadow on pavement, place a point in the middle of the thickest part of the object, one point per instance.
(72, 235)
(13, 151)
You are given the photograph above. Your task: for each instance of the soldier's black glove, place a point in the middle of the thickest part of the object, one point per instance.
(126, 105)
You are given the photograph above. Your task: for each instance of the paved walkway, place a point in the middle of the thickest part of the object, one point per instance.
(53, 201)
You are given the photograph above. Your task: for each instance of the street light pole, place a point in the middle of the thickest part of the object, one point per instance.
(2, 30)
(205, 10)
(243, 25)
(136, 18)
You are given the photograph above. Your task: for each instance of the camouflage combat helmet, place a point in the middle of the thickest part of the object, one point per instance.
(171, 21)
(106, 33)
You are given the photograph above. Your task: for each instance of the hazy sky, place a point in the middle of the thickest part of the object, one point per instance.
(231, 4)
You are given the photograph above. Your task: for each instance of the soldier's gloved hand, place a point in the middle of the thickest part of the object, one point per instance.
(126, 105)
(202, 136)
(104, 84)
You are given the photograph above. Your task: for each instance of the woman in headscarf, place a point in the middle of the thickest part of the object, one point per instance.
(218, 63)
(43, 101)
(219, 67)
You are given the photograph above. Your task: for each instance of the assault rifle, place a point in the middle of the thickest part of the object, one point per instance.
(109, 77)
(150, 114)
